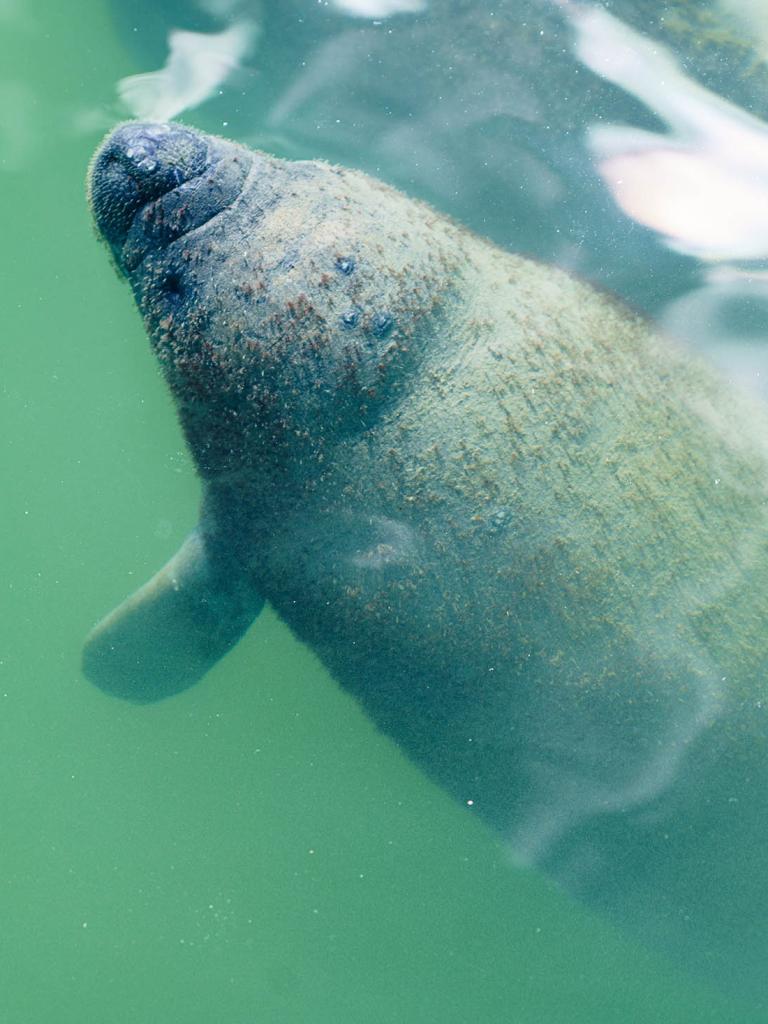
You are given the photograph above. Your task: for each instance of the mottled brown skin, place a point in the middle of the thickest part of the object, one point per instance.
(528, 535)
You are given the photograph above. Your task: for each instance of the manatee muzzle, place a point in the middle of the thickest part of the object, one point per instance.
(149, 184)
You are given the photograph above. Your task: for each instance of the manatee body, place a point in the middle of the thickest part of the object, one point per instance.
(526, 534)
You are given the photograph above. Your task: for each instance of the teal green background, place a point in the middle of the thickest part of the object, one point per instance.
(252, 850)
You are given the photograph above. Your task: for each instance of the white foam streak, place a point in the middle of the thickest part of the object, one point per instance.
(198, 63)
(379, 8)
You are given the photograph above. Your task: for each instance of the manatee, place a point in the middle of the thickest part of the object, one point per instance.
(490, 128)
(527, 534)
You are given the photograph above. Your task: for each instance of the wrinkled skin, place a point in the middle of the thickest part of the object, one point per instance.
(528, 536)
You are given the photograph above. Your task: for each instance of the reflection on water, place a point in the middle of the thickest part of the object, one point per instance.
(704, 188)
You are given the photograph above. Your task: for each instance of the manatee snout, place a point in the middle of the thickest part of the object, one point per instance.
(151, 183)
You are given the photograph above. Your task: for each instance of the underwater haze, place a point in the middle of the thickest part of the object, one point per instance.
(254, 850)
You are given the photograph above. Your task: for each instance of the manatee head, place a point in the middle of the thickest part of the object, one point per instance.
(288, 303)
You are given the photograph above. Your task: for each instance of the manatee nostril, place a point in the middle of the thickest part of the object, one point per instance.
(141, 162)
(158, 157)
(138, 163)
(145, 149)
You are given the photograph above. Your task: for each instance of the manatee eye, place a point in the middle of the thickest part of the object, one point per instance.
(173, 287)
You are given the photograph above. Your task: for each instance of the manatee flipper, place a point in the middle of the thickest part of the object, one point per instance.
(168, 634)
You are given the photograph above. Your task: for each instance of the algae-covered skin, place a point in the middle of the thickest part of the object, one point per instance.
(525, 533)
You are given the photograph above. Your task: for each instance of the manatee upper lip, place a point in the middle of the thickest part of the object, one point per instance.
(151, 183)
(136, 164)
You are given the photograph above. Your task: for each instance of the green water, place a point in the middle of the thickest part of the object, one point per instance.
(253, 850)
